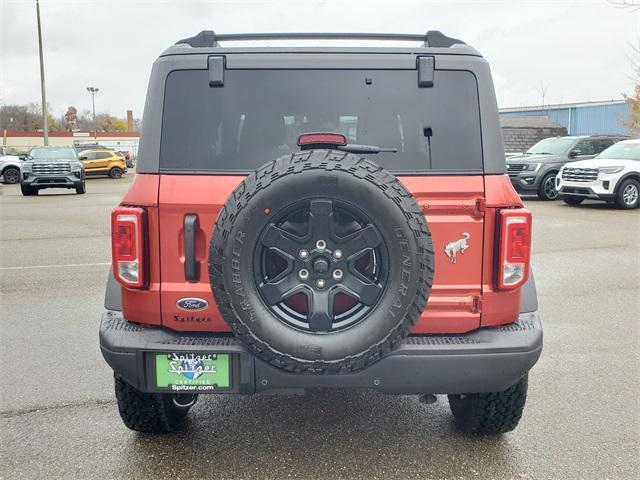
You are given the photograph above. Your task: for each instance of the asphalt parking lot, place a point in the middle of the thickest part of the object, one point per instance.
(59, 418)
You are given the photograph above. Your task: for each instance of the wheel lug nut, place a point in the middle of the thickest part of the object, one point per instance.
(337, 254)
(303, 254)
(320, 283)
(321, 245)
(337, 274)
(303, 274)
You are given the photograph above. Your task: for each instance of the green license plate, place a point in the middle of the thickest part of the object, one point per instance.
(193, 372)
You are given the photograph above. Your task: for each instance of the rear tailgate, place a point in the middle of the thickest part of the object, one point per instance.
(452, 205)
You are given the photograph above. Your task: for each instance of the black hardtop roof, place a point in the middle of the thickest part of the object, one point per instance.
(433, 42)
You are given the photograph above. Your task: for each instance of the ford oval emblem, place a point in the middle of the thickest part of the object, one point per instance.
(192, 304)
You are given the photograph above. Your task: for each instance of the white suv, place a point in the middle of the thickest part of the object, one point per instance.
(612, 176)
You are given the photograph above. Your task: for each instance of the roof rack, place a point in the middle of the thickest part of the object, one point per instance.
(209, 38)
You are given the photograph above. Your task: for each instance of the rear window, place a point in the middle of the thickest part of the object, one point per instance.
(258, 115)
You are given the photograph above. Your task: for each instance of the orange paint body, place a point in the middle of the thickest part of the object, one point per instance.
(463, 297)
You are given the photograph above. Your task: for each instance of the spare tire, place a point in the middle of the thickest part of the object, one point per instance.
(321, 262)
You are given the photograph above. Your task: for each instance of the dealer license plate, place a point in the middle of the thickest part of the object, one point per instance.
(193, 371)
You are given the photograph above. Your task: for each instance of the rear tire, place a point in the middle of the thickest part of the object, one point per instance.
(148, 412)
(547, 190)
(11, 175)
(116, 172)
(491, 413)
(628, 194)
(28, 191)
(80, 189)
(569, 200)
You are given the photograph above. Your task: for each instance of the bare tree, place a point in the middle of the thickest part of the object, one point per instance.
(633, 5)
(21, 117)
(634, 60)
(542, 90)
(84, 120)
(632, 123)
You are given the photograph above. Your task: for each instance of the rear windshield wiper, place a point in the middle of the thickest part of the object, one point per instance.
(337, 141)
(354, 148)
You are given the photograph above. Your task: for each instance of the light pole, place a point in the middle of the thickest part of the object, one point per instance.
(45, 123)
(93, 91)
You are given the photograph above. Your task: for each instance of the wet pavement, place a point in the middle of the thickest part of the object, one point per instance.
(59, 418)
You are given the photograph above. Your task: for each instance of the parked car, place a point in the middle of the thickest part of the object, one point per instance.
(104, 162)
(612, 176)
(81, 147)
(51, 167)
(127, 158)
(536, 170)
(9, 166)
(299, 233)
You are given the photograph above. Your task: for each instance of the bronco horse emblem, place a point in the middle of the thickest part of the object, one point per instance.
(453, 248)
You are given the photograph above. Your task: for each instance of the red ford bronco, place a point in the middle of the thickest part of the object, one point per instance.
(333, 217)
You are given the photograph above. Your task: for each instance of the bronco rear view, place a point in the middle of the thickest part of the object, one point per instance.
(334, 217)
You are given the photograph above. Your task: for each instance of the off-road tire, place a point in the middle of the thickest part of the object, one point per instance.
(80, 189)
(116, 173)
(571, 200)
(285, 347)
(28, 191)
(490, 413)
(148, 412)
(543, 193)
(619, 199)
(11, 175)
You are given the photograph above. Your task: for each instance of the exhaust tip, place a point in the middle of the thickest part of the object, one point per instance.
(185, 401)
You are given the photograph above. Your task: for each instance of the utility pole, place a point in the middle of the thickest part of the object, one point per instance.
(93, 91)
(45, 122)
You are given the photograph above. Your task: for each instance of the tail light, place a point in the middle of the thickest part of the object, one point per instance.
(128, 247)
(515, 248)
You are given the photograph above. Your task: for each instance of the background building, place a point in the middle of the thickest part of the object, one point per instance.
(521, 133)
(586, 118)
(23, 141)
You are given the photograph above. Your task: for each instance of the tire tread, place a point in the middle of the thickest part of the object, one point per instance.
(147, 412)
(327, 160)
(490, 413)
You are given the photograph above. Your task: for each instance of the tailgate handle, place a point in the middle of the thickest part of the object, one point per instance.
(191, 265)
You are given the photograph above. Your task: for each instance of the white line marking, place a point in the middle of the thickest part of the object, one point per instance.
(57, 266)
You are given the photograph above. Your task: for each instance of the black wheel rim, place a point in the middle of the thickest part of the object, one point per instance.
(11, 176)
(321, 265)
(116, 173)
(550, 188)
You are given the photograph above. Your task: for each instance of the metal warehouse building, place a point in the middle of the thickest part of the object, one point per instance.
(580, 118)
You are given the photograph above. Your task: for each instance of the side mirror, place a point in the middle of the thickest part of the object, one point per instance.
(83, 157)
(574, 153)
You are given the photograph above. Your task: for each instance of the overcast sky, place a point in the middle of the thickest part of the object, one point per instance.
(579, 49)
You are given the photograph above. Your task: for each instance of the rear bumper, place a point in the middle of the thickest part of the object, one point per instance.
(486, 360)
